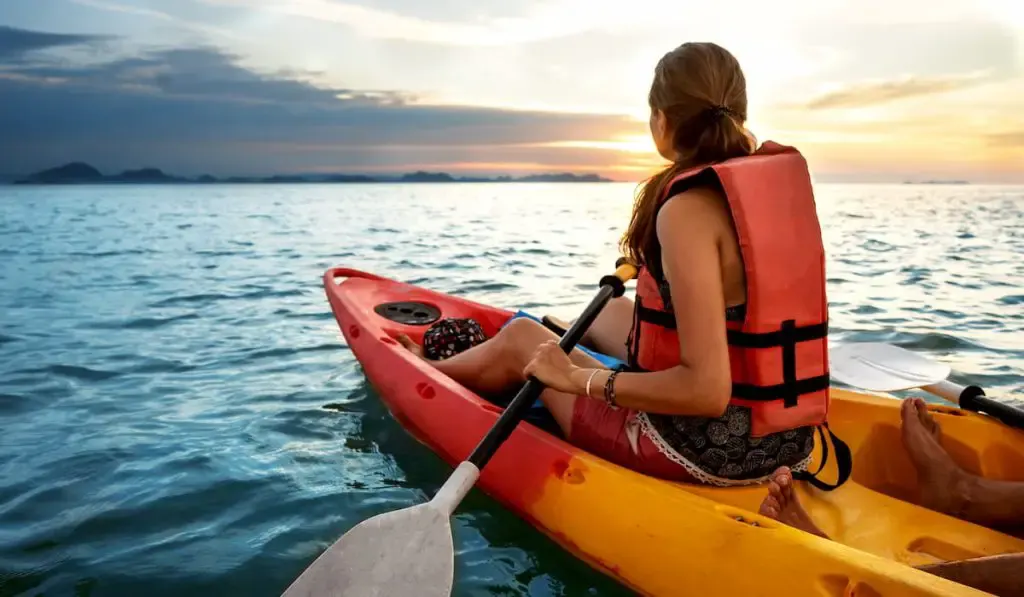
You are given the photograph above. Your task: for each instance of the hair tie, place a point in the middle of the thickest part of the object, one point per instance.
(719, 111)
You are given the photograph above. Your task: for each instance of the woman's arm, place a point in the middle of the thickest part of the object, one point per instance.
(689, 229)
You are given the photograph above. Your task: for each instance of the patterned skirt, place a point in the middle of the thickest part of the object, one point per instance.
(720, 451)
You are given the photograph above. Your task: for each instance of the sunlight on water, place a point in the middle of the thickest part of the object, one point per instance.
(181, 415)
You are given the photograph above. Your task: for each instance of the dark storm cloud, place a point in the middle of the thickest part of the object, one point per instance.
(198, 109)
(16, 42)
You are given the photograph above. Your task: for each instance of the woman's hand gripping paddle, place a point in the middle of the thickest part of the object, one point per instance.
(410, 551)
(883, 367)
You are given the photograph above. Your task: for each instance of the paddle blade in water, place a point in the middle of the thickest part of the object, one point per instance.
(406, 552)
(883, 367)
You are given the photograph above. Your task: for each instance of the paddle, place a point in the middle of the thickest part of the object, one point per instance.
(883, 367)
(410, 551)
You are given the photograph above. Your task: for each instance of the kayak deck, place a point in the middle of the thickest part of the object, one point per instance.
(660, 537)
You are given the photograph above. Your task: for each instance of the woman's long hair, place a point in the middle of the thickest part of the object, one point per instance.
(702, 92)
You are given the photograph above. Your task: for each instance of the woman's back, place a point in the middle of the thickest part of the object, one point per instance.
(715, 215)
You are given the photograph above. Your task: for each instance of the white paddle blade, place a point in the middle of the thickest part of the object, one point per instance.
(883, 367)
(406, 552)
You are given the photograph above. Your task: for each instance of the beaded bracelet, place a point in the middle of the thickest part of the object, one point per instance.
(609, 390)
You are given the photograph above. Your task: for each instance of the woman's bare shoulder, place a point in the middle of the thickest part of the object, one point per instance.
(696, 209)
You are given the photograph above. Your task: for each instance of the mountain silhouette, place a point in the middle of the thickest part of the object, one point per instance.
(83, 173)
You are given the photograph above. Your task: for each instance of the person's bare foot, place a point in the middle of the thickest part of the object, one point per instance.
(410, 345)
(942, 484)
(782, 504)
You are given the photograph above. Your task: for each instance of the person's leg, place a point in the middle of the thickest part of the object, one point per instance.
(610, 330)
(947, 488)
(999, 575)
(496, 366)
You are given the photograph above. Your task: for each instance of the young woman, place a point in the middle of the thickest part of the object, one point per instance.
(723, 386)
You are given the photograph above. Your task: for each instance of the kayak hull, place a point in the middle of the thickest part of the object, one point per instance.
(663, 538)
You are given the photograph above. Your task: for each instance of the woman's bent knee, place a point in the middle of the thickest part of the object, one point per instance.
(518, 340)
(523, 332)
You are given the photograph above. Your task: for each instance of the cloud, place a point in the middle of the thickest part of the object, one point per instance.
(858, 95)
(186, 24)
(16, 42)
(889, 49)
(388, 24)
(194, 110)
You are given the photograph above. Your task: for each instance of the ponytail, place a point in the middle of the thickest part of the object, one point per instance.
(713, 135)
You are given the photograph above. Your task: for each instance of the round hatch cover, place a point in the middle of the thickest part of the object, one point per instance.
(409, 313)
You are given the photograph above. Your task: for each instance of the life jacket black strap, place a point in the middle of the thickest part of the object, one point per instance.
(781, 391)
(780, 337)
(844, 462)
(788, 333)
(665, 319)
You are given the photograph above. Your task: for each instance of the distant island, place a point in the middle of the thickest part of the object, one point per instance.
(936, 182)
(82, 173)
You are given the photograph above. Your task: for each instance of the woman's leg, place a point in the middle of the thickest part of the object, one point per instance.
(496, 366)
(610, 330)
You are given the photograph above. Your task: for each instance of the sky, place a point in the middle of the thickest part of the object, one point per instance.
(868, 90)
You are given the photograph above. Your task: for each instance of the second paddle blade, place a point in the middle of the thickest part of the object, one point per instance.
(882, 367)
(406, 552)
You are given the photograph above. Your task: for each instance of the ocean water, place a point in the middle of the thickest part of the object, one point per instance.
(180, 414)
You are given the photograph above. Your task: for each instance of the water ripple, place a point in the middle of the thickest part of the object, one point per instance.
(73, 372)
(140, 323)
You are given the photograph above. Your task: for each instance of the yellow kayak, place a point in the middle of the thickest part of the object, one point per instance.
(665, 538)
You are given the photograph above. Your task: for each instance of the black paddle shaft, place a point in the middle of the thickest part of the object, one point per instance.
(611, 286)
(973, 398)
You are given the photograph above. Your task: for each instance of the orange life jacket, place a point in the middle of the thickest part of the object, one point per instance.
(778, 355)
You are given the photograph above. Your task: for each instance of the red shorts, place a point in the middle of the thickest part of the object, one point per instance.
(614, 434)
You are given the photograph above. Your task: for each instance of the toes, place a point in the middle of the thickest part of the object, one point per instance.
(409, 344)
(783, 478)
(910, 414)
(922, 412)
(917, 419)
(787, 488)
(907, 409)
(770, 507)
(926, 418)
